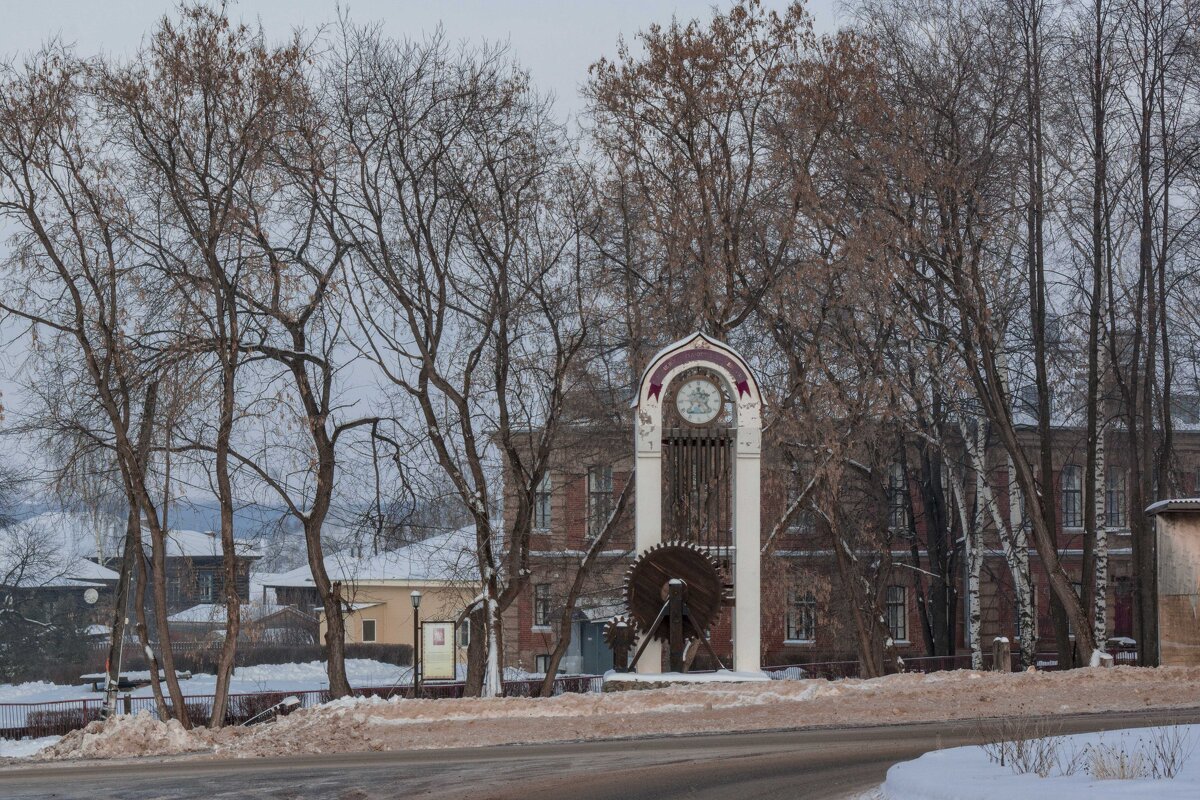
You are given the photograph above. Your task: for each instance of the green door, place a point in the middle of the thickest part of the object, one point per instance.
(597, 657)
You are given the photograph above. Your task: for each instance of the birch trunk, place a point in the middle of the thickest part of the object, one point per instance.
(1100, 593)
(1017, 552)
(1013, 542)
(973, 545)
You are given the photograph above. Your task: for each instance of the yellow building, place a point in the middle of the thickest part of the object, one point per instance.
(378, 587)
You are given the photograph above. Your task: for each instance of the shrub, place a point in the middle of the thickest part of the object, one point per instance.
(245, 707)
(60, 721)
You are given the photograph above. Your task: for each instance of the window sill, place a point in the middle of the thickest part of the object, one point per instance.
(541, 629)
(901, 643)
(799, 642)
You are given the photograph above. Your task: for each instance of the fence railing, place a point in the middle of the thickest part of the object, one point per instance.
(58, 718)
(833, 670)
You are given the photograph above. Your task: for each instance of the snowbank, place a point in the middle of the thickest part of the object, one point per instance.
(362, 724)
(138, 735)
(968, 772)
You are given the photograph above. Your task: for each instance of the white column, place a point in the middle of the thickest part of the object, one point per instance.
(648, 515)
(747, 632)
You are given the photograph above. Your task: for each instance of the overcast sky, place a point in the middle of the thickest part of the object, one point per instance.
(556, 40)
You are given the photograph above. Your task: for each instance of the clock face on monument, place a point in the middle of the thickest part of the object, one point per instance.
(699, 401)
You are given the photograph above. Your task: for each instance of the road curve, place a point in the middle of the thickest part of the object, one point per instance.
(812, 763)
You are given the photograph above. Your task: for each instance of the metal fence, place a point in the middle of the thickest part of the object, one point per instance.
(33, 720)
(833, 670)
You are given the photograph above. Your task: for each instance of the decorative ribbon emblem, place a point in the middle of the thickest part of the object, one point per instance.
(741, 380)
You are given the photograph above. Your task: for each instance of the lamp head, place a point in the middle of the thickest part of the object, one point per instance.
(416, 598)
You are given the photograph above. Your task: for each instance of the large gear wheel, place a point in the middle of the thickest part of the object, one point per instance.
(647, 579)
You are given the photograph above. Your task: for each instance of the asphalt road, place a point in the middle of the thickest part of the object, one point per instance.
(814, 763)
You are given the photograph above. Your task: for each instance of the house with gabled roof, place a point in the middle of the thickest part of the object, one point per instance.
(377, 586)
(87, 549)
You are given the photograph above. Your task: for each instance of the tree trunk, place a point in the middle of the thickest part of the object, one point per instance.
(566, 618)
(1100, 551)
(143, 632)
(476, 652)
(121, 610)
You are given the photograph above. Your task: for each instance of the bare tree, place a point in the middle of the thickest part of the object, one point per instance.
(466, 266)
(72, 266)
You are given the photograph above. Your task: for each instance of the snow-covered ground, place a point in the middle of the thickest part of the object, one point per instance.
(968, 771)
(352, 725)
(720, 676)
(25, 748)
(261, 678)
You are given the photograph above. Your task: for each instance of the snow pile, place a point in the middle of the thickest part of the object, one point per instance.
(969, 772)
(138, 735)
(25, 748)
(362, 724)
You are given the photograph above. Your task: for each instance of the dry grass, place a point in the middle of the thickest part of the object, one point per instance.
(1034, 747)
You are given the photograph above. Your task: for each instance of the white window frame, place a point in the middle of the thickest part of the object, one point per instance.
(541, 663)
(543, 497)
(897, 508)
(541, 607)
(1072, 513)
(801, 618)
(206, 586)
(362, 629)
(1116, 499)
(891, 606)
(599, 497)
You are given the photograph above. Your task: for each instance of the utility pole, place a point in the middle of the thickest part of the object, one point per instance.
(416, 674)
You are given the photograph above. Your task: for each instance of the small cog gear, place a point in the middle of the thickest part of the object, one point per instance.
(648, 576)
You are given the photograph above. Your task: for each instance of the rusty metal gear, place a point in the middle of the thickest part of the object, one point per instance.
(620, 630)
(646, 585)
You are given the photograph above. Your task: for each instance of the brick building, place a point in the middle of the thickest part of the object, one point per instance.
(802, 618)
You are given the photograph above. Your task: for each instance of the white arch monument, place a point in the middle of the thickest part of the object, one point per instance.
(719, 360)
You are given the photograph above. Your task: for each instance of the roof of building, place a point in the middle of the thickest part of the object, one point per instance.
(216, 612)
(50, 551)
(100, 538)
(203, 544)
(1175, 504)
(446, 557)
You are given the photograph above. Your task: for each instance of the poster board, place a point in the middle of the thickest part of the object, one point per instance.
(438, 651)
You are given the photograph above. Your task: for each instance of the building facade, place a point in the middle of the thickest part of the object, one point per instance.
(803, 616)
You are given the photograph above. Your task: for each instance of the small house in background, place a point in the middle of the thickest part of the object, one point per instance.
(46, 561)
(1177, 532)
(194, 568)
(262, 624)
(86, 548)
(377, 587)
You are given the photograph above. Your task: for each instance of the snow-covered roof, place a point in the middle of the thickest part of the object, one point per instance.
(81, 541)
(53, 550)
(603, 609)
(444, 557)
(202, 544)
(215, 612)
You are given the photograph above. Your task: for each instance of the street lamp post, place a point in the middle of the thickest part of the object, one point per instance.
(416, 604)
